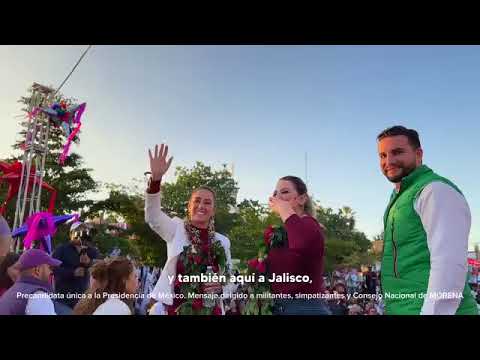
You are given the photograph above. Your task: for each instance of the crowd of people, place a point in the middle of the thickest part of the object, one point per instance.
(424, 213)
(353, 292)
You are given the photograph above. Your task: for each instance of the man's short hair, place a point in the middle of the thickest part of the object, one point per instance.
(397, 130)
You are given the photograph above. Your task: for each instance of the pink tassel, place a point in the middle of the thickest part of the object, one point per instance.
(76, 120)
(66, 148)
(35, 231)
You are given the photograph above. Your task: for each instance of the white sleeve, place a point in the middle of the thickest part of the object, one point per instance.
(228, 254)
(160, 222)
(113, 307)
(40, 305)
(157, 309)
(229, 288)
(445, 216)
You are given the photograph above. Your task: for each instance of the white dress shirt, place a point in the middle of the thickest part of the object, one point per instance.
(446, 218)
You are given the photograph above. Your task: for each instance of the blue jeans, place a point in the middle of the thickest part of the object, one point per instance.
(300, 307)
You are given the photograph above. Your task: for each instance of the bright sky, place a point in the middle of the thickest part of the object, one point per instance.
(262, 108)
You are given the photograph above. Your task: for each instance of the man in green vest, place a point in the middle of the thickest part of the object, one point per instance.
(426, 229)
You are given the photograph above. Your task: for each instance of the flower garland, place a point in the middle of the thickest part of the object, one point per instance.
(194, 260)
(273, 237)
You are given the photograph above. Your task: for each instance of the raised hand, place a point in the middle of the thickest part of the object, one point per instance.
(281, 207)
(158, 162)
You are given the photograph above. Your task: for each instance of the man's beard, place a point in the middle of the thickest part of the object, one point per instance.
(405, 171)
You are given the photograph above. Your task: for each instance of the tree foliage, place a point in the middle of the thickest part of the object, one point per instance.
(73, 181)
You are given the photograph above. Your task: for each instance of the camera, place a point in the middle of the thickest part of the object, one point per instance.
(84, 234)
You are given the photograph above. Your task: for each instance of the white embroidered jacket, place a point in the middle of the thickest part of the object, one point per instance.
(172, 230)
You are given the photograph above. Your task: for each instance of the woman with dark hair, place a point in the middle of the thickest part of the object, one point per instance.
(112, 289)
(301, 255)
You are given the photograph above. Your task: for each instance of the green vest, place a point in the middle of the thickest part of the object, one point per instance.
(406, 259)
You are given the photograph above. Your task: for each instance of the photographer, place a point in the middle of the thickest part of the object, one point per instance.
(72, 277)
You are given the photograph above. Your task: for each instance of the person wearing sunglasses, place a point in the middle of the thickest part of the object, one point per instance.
(72, 277)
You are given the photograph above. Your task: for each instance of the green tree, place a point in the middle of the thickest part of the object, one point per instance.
(73, 181)
(337, 252)
(251, 220)
(378, 252)
(176, 194)
(108, 237)
(126, 204)
(345, 246)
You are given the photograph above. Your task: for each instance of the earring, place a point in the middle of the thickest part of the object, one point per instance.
(211, 224)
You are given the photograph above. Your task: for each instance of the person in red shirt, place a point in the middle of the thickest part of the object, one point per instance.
(303, 254)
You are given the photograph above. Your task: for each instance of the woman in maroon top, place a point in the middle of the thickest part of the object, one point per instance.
(303, 254)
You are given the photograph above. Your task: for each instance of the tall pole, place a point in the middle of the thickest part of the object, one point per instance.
(36, 149)
(306, 169)
(477, 251)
